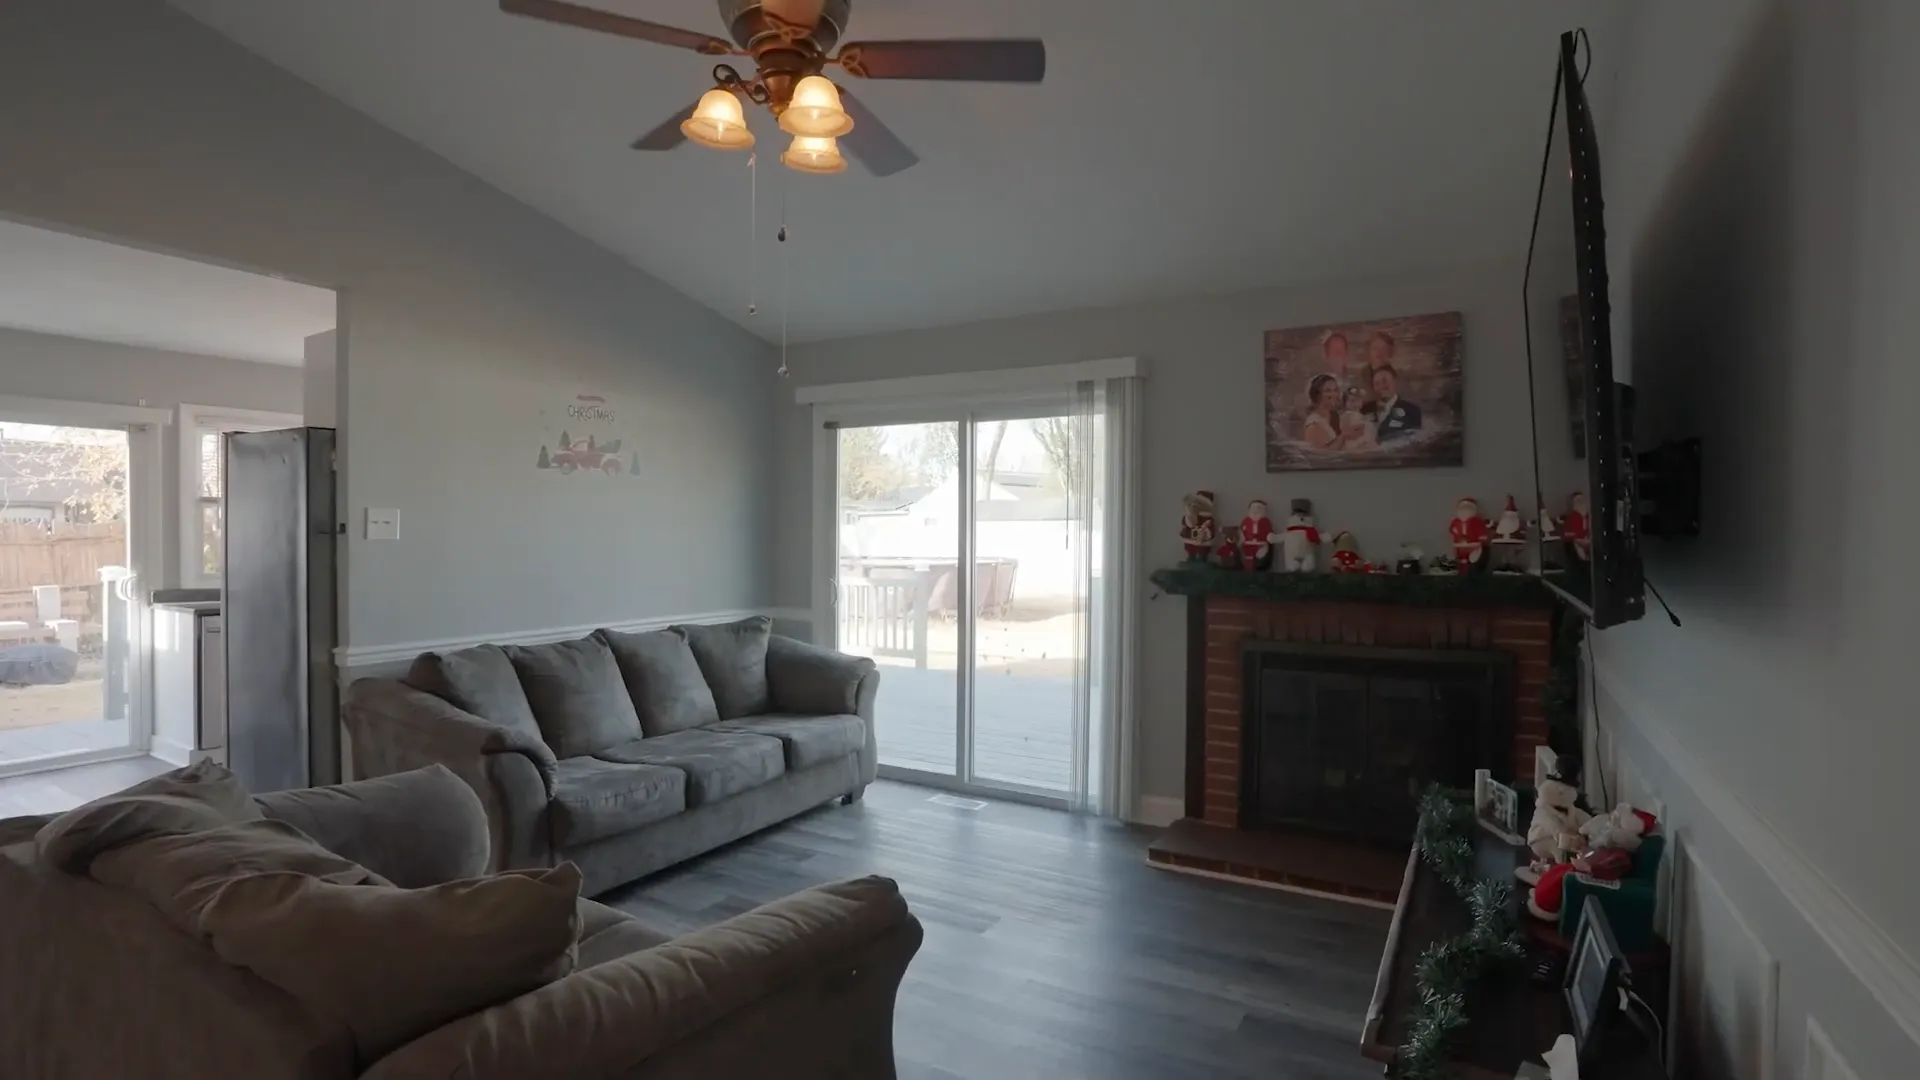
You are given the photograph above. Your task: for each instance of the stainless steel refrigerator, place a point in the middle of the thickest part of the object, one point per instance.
(278, 598)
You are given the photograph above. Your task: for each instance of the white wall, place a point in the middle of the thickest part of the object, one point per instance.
(1761, 169)
(320, 380)
(465, 317)
(45, 366)
(1203, 428)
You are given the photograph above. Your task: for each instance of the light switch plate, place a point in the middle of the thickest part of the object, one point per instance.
(383, 524)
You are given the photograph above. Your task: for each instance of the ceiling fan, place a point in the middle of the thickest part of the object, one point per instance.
(791, 43)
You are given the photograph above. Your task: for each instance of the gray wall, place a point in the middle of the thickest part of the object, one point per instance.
(1203, 423)
(46, 366)
(1761, 179)
(465, 316)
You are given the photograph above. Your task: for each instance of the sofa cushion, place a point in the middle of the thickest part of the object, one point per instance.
(809, 740)
(479, 680)
(180, 875)
(199, 797)
(609, 934)
(393, 964)
(577, 695)
(416, 828)
(718, 764)
(594, 798)
(663, 679)
(733, 657)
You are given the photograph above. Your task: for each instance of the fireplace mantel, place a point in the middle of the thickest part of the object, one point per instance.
(1228, 609)
(1405, 590)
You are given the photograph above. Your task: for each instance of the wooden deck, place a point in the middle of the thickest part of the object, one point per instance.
(1023, 725)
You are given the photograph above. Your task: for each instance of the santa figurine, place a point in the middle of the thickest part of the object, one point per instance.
(1612, 840)
(1301, 541)
(1510, 529)
(1576, 528)
(1196, 526)
(1346, 555)
(1227, 555)
(1469, 534)
(1256, 537)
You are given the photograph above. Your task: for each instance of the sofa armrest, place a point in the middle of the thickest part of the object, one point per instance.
(803, 678)
(417, 829)
(394, 728)
(803, 986)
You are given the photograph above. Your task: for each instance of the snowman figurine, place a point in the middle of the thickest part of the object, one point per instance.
(1301, 542)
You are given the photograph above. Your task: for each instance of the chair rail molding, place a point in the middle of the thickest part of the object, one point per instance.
(347, 657)
(1867, 950)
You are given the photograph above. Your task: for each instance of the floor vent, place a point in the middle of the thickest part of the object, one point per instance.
(958, 803)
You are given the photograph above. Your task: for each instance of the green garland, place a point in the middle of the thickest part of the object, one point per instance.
(1445, 836)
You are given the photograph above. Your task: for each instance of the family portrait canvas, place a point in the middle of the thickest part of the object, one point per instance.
(1382, 394)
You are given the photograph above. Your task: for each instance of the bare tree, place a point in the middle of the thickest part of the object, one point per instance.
(866, 470)
(992, 464)
(939, 452)
(87, 474)
(1059, 438)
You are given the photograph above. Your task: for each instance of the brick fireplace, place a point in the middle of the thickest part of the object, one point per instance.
(1507, 620)
(1213, 750)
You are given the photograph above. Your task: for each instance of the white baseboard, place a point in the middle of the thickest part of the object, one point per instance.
(173, 753)
(358, 656)
(1868, 951)
(1158, 811)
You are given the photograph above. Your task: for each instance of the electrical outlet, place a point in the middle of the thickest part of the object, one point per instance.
(383, 524)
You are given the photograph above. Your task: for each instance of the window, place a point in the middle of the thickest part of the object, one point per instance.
(202, 486)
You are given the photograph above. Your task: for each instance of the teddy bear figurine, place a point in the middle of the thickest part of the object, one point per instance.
(1554, 833)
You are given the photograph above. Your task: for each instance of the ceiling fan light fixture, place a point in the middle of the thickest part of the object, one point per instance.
(718, 121)
(815, 109)
(814, 154)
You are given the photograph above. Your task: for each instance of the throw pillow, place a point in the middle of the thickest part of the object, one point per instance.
(733, 657)
(180, 875)
(394, 964)
(199, 797)
(663, 679)
(577, 695)
(480, 680)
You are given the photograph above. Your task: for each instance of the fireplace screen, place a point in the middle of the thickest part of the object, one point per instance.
(1344, 738)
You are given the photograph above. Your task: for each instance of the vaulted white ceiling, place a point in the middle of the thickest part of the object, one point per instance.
(1175, 148)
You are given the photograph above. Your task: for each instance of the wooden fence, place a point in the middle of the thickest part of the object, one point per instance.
(68, 555)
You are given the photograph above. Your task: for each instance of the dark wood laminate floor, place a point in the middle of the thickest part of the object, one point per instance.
(1054, 951)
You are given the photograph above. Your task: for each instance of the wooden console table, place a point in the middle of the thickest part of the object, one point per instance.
(1510, 1019)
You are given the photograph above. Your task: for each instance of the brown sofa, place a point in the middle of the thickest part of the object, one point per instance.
(128, 979)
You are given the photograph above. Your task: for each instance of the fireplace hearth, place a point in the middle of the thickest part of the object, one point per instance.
(1343, 738)
(1319, 705)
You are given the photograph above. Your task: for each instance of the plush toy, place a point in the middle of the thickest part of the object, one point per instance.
(1614, 838)
(1196, 526)
(1554, 833)
(1301, 540)
(1346, 555)
(1256, 537)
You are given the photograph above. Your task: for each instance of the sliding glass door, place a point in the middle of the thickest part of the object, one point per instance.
(968, 565)
(72, 620)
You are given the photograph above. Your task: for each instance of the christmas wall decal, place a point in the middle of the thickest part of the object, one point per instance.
(587, 441)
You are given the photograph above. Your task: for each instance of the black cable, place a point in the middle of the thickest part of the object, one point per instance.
(1662, 599)
(1526, 309)
(1593, 713)
(1580, 38)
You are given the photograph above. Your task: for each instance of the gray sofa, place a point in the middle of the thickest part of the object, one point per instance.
(134, 945)
(627, 753)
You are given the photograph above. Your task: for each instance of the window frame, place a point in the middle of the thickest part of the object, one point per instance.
(190, 423)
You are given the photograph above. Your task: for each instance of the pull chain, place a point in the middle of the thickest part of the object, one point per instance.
(753, 233)
(785, 305)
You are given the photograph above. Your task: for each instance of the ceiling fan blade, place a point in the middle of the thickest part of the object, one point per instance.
(558, 11)
(1018, 61)
(872, 142)
(667, 136)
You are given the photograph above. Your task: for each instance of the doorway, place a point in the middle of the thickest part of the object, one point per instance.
(970, 557)
(76, 538)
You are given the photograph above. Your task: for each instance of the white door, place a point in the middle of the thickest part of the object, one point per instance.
(77, 503)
